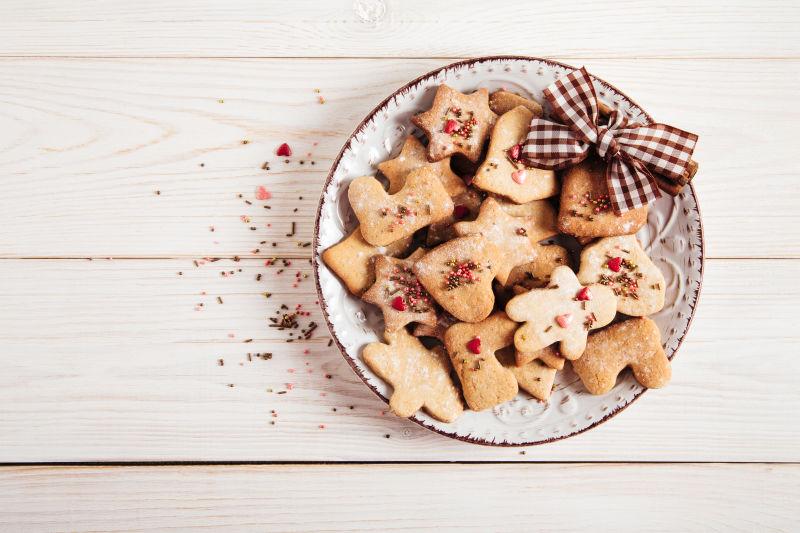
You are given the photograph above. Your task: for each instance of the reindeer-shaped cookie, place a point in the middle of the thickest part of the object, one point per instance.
(564, 311)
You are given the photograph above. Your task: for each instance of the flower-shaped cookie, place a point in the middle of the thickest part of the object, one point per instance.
(456, 123)
(400, 296)
(420, 377)
(564, 311)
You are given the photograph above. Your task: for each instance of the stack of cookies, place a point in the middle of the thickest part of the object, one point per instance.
(455, 247)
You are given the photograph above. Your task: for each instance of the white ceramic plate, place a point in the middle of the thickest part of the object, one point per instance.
(673, 237)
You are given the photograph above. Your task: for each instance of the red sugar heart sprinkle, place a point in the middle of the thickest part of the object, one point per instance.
(284, 150)
(564, 320)
(474, 345)
(584, 295)
(514, 151)
(615, 263)
(399, 304)
(450, 126)
(262, 193)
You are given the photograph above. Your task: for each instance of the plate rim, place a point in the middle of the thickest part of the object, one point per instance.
(316, 254)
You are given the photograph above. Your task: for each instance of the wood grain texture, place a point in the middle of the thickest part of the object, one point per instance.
(109, 360)
(416, 28)
(480, 498)
(84, 145)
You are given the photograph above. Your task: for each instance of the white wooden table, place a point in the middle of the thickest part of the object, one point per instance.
(126, 404)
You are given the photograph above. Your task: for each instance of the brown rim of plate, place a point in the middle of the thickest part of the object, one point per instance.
(316, 260)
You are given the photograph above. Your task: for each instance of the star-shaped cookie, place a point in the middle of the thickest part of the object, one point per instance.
(563, 311)
(503, 171)
(420, 377)
(484, 381)
(621, 264)
(514, 237)
(400, 296)
(456, 123)
(412, 156)
(384, 218)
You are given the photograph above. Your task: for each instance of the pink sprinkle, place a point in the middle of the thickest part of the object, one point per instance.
(519, 176)
(310, 370)
(262, 193)
(203, 293)
(289, 386)
(306, 351)
(323, 393)
(290, 370)
(322, 426)
(231, 335)
(269, 225)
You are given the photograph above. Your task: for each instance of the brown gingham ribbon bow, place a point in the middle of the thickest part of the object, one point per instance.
(633, 151)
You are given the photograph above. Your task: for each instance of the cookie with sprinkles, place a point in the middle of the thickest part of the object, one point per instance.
(585, 209)
(420, 377)
(385, 218)
(514, 237)
(458, 274)
(621, 264)
(564, 311)
(466, 207)
(472, 348)
(456, 123)
(413, 156)
(503, 172)
(352, 259)
(399, 294)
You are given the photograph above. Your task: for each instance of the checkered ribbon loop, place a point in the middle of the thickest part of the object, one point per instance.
(633, 151)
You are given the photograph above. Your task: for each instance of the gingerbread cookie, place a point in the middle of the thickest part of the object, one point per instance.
(399, 294)
(536, 274)
(621, 264)
(466, 207)
(502, 102)
(586, 210)
(411, 157)
(635, 343)
(458, 274)
(563, 311)
(385, 218)
(484, 381)
(420, 377)
(512, 236)
(352, 259)
(548, 356)
(534, 377)
(503, 172)
(456, 123)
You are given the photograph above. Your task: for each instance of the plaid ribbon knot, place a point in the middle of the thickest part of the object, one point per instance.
(633, 151)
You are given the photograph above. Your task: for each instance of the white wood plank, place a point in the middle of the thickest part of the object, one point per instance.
(108, 360)
(746, 28)
(480, 498)
(84, 145)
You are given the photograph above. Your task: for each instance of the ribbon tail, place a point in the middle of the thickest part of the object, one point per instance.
(630, 184)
